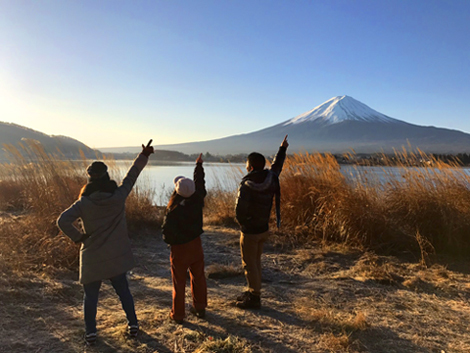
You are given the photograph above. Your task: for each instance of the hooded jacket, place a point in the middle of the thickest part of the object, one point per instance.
(255, 196)
(107, 251)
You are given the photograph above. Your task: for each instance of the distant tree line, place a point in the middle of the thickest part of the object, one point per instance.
(376, 159)
(174, 156)
(462, 159)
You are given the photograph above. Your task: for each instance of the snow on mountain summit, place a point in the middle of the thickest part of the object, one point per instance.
(339, 109)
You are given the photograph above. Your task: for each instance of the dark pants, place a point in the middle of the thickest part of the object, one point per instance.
(183, 257)
(90, 301)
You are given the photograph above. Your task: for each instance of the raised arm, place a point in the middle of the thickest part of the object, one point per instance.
(133, 173)
(280, 157)
(198, 177)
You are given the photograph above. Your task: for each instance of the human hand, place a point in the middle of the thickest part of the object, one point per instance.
(147, 150)
(199, 159)
(82, 239)
(284, 142)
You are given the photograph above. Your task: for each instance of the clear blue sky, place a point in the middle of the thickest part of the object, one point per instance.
(114, 73)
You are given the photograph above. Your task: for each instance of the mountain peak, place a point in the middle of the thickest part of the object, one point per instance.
(339, 109)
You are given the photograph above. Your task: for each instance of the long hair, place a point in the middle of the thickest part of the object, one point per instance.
(174, 201)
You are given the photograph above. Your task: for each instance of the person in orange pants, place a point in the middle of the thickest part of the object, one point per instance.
(183, 257)
(182, 228)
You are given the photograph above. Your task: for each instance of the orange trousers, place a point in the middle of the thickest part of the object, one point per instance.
(184, 257)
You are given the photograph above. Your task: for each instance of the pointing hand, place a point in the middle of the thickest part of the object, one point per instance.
(285, 143)
(147, 150)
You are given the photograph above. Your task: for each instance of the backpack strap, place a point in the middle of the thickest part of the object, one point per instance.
(277, 196)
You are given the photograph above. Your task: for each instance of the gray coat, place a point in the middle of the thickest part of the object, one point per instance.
(107, 252)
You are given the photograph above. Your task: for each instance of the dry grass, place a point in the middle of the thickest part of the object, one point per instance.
(420, 208)
(35, 188)
(418, 204)
(342, 309)
(219, 271)
(229, 345)
(219, 208)
(334, 343)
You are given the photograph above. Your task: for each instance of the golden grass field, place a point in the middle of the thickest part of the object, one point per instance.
(355, 267)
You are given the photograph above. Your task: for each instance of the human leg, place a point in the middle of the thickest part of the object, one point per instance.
(259, 251)
(178, 275)
(90, 305)
(198, 284)
(249, 253)
(251, 246)
(121, 286)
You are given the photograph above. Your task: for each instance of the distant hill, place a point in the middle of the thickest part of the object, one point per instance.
(69, 148)
(13, 134)
(337, 126)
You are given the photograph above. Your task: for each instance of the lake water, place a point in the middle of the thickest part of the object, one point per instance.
(223, 176)
(226, 176)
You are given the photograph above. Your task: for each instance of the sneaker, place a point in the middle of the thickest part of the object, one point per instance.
(250, 302)
(243, 296)
(201, 313)
(90, 338)
(133, 330)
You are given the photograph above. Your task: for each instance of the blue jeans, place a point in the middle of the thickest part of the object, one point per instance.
(90, 301)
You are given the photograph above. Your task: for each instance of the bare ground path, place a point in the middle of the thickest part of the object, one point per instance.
(314, 301)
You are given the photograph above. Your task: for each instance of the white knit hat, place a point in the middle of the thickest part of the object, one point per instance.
(184, 186)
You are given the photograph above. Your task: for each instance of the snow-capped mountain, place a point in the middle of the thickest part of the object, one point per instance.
(339, 125)
(339, 109)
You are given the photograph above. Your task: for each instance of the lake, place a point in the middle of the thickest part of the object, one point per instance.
(225, 176)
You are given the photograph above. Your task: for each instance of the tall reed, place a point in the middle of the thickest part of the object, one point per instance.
(34, 189)
(415, 198)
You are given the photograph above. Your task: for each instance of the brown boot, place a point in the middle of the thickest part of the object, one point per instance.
(243, 296)
(200, 313)
(251, 301)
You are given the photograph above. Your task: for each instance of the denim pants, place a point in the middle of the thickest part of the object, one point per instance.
(90, 301)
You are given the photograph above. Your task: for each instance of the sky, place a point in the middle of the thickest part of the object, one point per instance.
(115, 73)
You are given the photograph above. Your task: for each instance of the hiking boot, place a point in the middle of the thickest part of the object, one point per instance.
(133, 330)
(201, 313)
(90, 338)
(243, 296)
(252, 301)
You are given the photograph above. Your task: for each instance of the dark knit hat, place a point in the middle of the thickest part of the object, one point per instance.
(97, 170)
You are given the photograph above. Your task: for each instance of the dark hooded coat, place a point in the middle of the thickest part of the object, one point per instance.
(255, 196)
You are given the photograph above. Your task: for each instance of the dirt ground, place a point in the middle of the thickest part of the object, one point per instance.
(314, 300)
